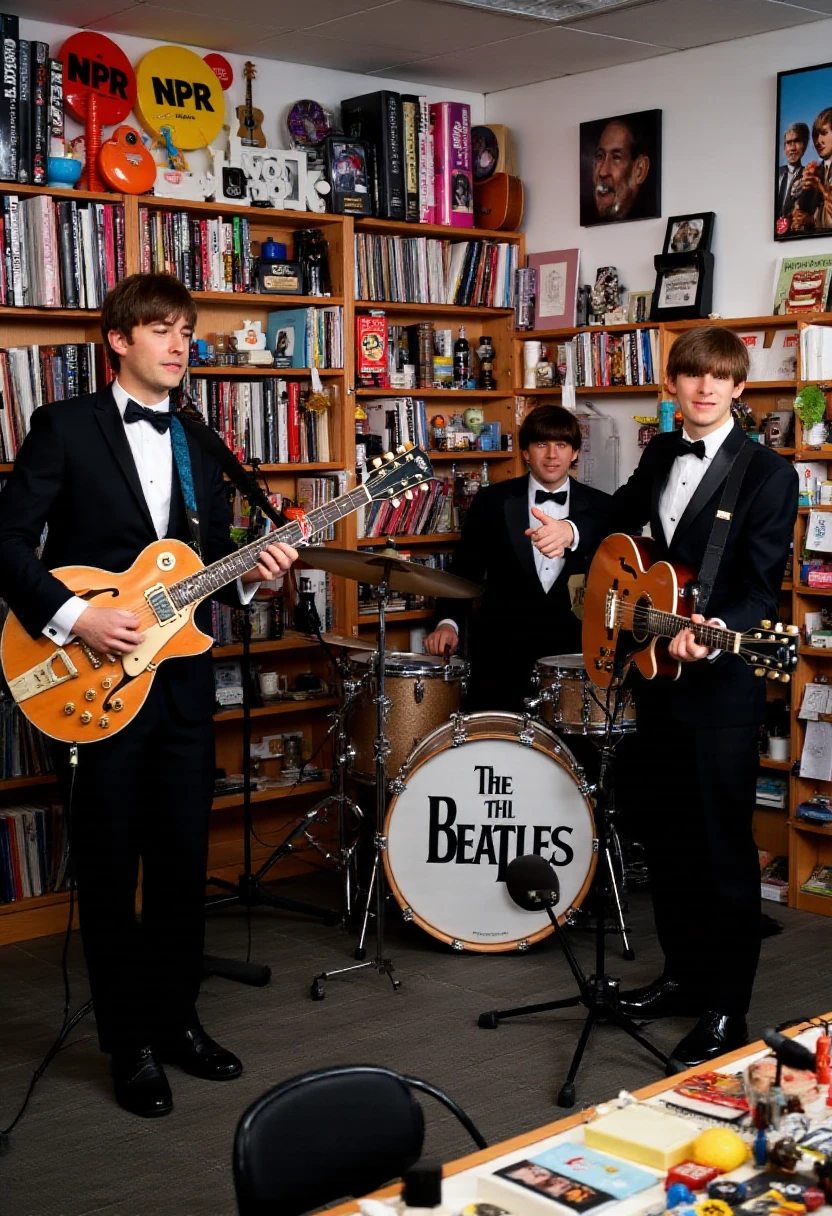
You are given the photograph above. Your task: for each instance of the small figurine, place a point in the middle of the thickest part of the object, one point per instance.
(784, 1154)
(473, 418)
(606, 294)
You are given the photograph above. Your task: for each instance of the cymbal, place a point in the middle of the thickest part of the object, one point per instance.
(341, 643)
(399, 573)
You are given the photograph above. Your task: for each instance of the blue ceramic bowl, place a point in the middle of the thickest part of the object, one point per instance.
(63, 170)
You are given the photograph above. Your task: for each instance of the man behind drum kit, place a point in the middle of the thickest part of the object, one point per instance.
(509, 544)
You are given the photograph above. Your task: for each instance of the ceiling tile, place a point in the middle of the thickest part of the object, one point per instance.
(281, 14)
(67, 12)
(687, 23)
(428, 27)
(304, 47)
(824, 7)
(515, 61)
(168, 25)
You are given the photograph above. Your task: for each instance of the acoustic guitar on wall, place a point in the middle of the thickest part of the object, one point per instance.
(250, 130)
(498, 203)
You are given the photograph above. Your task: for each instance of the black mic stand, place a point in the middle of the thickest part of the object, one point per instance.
(248, 891)
(598, 992)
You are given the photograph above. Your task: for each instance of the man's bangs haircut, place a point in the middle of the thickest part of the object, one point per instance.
(144, 299)
(712, 349)
(824, 119)
(549, 424)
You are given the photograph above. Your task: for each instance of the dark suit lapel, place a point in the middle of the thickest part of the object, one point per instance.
(713, 479)
(109, 419)
(517, 521)
(664, 464)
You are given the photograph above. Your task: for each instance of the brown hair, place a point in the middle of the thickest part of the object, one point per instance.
(824, 119)
(549, 424)
(143, 299)
(708, 349)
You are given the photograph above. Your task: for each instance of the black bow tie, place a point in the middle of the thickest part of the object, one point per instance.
(686, 448)
(133, 412)
(546, 496)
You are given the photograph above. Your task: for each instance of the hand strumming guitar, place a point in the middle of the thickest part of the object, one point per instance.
(109, 630)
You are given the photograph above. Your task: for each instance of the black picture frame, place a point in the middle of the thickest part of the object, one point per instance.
(348, 173)
(804, 109)
(692, 295)
(616, 190)
(685, 233)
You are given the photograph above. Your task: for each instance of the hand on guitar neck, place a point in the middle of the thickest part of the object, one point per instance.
(273, 562)
(685, 647)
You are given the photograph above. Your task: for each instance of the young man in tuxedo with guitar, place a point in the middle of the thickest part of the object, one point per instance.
(507, 543)
(697, 736)
(100, 471)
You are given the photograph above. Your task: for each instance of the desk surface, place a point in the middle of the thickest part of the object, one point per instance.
(460, 1190)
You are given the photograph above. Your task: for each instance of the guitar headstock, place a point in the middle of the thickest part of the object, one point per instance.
(249, 71)
(771, 650)
(403, 471)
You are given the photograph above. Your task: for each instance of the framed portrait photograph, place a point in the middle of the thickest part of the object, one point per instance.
(621, 168)
(688, 232)
(347, 170)
(638, 306)
(803, 154)
(556, 286)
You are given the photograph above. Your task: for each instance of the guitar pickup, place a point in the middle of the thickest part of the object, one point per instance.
(159, 600)
(42, 676)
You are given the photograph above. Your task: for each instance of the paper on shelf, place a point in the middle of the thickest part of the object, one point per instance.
(816, 759)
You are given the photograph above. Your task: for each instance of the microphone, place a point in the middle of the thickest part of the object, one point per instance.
(532, 883)
(789, 1051)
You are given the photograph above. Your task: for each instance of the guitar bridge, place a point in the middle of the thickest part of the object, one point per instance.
(159, 600)
(610, 610)
(42, 676)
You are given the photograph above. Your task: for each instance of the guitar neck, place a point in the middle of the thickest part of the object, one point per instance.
(669, 624)
(205, 582)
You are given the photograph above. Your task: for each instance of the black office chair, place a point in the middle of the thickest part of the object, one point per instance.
(332, 1134)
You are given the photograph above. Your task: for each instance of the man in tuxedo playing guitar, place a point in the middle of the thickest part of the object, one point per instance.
(697, 736)
(100, 471)
(507, 543)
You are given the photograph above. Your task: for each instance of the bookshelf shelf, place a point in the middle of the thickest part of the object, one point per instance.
(396, 307)
(250, 373)
(821, 453)
(817, 652)
(394, 228)
(620, 389)
(429, 538)
(762, 385)
(26, 783)
(49, 314)
(262, 300)
(819, 507)
(415, 614)
(782, 766)
(804, 589)
(814, 829)
(290, 641)
(546, 335)
(434, 455)
(92, 196)
(263, 217)
(226, 801)
(436, 394)
(320, 466)
(279, 709)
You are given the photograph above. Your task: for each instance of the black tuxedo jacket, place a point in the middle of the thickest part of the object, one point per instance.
(747, 587)
(515, 622)
(75, 472)
(785, 204)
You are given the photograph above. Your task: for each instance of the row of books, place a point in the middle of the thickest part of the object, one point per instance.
(24, 751)
(33, 851)
(420, 156)
(816, 352)
(310, 337)
(34, 375)
(266, 419)
(607, 359)
(423, 270)
(426, 513)
(59, 253)
(396, 420)
(31, 107)
(205, 254)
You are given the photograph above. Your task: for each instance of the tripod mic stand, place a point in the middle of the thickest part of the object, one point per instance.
(598, 992)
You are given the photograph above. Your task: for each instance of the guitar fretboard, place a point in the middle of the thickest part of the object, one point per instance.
(651, 621)
(205, 582)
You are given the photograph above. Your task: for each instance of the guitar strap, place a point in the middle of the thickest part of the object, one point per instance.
(182, 459)
(722, 525)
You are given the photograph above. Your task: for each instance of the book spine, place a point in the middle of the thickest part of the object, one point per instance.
(40, 112)
(9, 148)
(57, 146)
(410, 127)
(17, 262)
(293, 421)
(24, 112)
(454, 183)
(426, 203)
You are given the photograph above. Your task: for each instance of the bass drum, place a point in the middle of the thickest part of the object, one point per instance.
(477, 792)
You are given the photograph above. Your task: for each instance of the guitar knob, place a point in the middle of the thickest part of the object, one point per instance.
(766, 624)
(104, 722)
(86, 718)
(89, 695)
(773, 675)
(608, 667)
(598, 665)
(69, 708)
(107, 682)
(118, 704)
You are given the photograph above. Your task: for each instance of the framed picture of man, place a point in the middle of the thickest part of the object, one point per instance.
(621, 170)
(803, 154)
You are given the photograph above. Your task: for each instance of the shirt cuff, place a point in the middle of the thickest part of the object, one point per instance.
(577, 539)
(452, 624)
(714, 654)
(247, 591)
(59, 629)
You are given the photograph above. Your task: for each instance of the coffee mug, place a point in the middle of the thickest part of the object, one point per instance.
(778, 749)
(272, 684)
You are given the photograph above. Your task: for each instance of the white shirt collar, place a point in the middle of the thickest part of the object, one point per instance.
(714, 441)
(535, 485)
(122, 397)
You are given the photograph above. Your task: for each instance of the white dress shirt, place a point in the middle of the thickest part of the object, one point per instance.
(153, 456)
(685, 475)
(548, 568)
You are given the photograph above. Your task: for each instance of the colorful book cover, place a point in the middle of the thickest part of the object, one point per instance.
(598, 1170)
(801, 285)
(453, 179)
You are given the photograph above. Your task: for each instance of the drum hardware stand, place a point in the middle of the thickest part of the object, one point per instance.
(598, 992)
(377, 885)
(546, 696)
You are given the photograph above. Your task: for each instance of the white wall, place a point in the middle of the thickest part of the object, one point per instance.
(718, 150)
(277, 86)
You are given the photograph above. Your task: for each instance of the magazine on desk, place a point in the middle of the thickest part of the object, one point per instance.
(568, 1175)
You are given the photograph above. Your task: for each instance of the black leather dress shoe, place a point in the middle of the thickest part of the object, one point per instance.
(712, 1036)
(200, 1055)
(140, 1083)
(664, 998)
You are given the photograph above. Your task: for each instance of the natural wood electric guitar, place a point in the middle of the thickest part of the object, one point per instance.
(633, 604)
(76, 695)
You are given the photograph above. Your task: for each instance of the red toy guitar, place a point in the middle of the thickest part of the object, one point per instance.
(125, 163)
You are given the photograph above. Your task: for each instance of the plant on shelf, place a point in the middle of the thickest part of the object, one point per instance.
(810, 408)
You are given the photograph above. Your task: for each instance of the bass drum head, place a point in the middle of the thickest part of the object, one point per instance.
(469, 808)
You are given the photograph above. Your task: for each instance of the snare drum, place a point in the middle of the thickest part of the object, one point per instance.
(479, 791)
(574, 705)
(424, 692)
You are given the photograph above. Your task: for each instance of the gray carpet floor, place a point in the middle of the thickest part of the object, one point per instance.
(76, 1153)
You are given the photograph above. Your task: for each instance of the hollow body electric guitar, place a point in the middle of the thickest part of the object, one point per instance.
(634, 604)
(76, 695)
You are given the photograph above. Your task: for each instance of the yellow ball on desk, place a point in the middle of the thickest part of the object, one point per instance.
(721, 1148)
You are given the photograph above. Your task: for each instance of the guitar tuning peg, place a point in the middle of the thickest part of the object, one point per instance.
(388, 456)
(793, 629)
(773, 675)
(759, 671)
(785, 678)
(397, 502)
(408, 446)
(766, 624)
(408, 495)
(778, 628)
(376, 462)
(401, 449)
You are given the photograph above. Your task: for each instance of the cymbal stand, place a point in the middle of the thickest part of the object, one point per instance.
(377, 886)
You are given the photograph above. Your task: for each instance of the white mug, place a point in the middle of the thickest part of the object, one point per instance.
(778, 749)
(271, 684)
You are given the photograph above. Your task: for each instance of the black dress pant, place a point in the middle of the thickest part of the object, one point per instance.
(144, 794)
(697, 801)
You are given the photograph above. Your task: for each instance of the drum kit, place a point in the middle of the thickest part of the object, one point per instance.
(457, 796)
